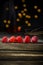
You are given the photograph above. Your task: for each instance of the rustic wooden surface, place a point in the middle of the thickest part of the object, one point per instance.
(21, 46)
(21, 63)
(17, 51)
(21, 54)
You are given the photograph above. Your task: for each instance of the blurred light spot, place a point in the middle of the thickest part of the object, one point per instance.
(16, 7)
(7, 25)
(38, 10)
(29, 24)
(24, 14)
(35, 16)
(9, 21)
(20, 15)
(28, 16)
(24, 5)
(26, 22)
(35, 7)
(17, 19)
(25, 10)
(4, 21)
(22, 11)
(19, 28)
(7, 9)
(23, 1)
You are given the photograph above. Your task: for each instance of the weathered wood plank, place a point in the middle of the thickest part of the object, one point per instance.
(22, 46)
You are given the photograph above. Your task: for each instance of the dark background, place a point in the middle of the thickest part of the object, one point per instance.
(35, 23)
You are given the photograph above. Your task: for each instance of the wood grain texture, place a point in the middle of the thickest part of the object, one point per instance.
(21, 46)
(21, 62)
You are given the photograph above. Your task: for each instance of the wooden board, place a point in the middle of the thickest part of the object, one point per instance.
(21, 46)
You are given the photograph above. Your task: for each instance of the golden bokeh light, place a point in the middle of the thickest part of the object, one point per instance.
(4, 21)
(23, 1)
(20, 15)
(22, 11)
(35, 7)
(38, 10)
(17, 19)
(16, 7)
(24, 5)
(24, 14)
(35, 16)
(29, 24)
(9, 21)
(7, 25)
(25, 10)
(28, 16)
(26, 22)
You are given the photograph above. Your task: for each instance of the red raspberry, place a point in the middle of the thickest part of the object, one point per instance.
(4, 39)
(19, 39)
(27, 39)
(34, 39)
(12, 39)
